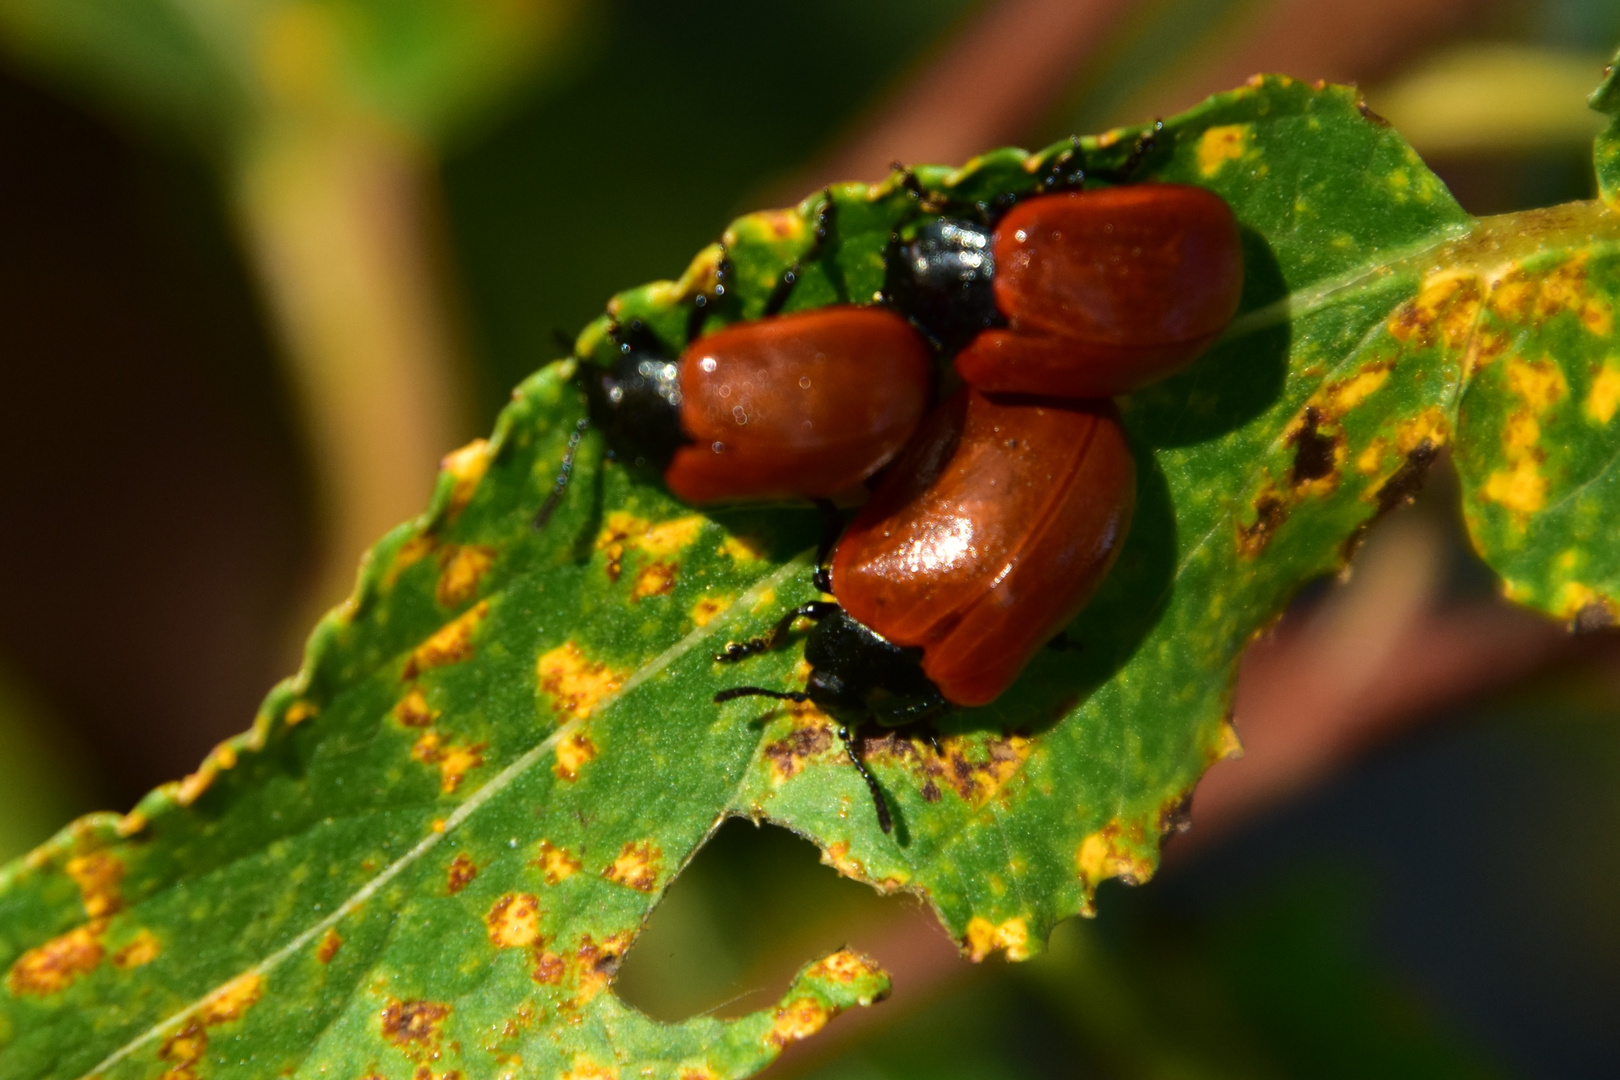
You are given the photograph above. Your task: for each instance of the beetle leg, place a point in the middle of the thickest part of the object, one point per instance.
(885, 822)
(832, 526)
(815, 610)
(565, 472)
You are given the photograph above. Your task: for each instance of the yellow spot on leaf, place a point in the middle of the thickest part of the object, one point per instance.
(586, 1069)
(708, 607)
(1109, 852)
(299, 711)
(985, 937)
(843, 966)
(556, 863)
(742, 548)
(52, 967)
(450, 644)
(467, 466)
(668, 537)
(636, 867)
(98, 876)
(654, 579)
(1218, 145)
(462, 568)
(514, 921)
(573, 754)
(1539, 383)
(1604, 396)
(409, 554)
(798, 1019)
(1574, 597)
(574, 683)
(412, 710)
(455, 760)
(142, 950)
(331, 942)
(1344, 396)
(233, 999)
(1522, 488)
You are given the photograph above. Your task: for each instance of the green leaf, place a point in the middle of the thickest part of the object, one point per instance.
(440, 836)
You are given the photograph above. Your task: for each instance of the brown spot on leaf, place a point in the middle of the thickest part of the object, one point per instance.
(556, 863)
(450, 644)
(412, 710)
(461, 569)
(1445, 311)
(575, 683)
(413, 1026)
(637, 866)
(976, 780)
(460, 874)
(810, 737)
(597, 964)
(573, 754)
(98, 876)
(514, 921)
(1313, 451)
(331, 942)
(141, 950)
(185, 1048)
(548, 968)
(1175, 816)
(54, 966)
(1270, 511)
(798, 1019)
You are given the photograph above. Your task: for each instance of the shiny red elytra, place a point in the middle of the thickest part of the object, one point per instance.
(990, 535)
(798, 406)
(805, 405)
(1078, 294)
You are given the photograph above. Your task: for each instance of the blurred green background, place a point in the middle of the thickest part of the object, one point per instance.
(262, 261)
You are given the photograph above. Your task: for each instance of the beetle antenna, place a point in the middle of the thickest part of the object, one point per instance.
(565, 472)
(815, 610)
(885, 822)
(796, 696)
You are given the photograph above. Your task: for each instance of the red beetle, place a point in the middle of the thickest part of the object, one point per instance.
(804, 405)
(989, 535)
(1080, 294)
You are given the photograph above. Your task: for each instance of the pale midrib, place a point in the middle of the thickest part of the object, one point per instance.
(498, 783)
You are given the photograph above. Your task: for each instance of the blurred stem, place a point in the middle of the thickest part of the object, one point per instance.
(338, 218)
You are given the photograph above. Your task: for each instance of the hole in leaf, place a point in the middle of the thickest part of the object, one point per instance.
(755, 906)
